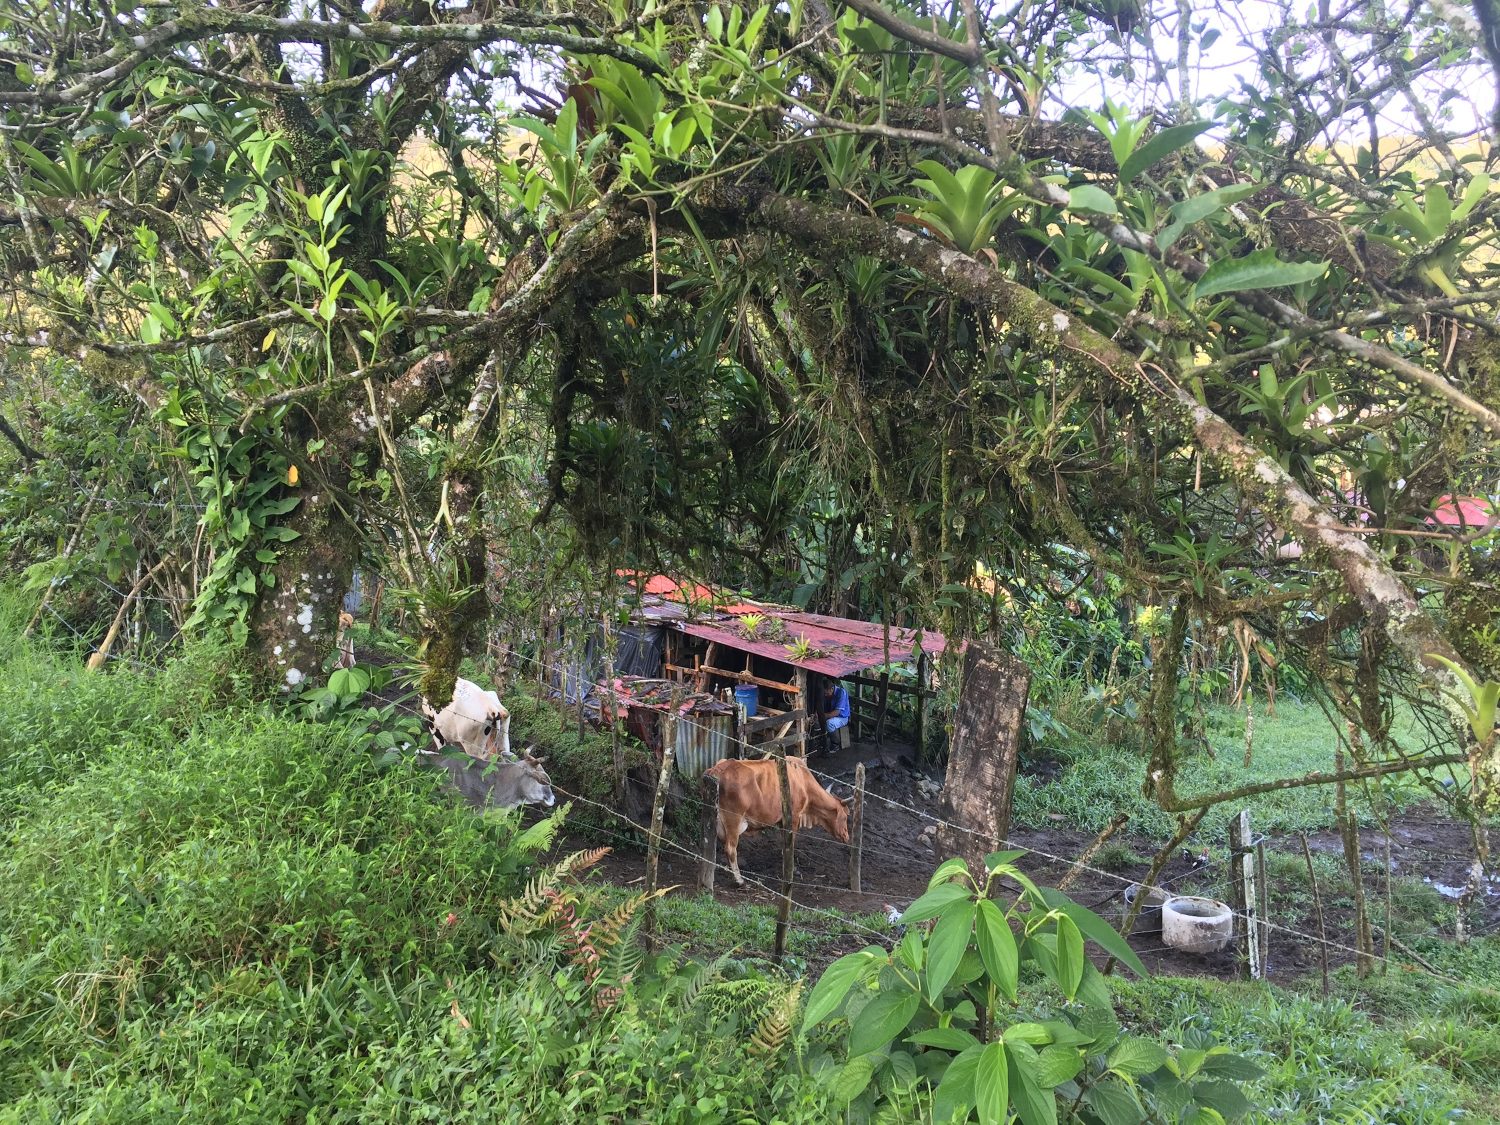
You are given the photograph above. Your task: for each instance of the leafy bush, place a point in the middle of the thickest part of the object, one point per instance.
(942, 1010)
(1324, 1060)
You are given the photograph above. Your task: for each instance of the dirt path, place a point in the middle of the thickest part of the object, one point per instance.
(898, 860)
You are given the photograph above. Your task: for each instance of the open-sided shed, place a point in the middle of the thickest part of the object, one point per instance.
(713, 641)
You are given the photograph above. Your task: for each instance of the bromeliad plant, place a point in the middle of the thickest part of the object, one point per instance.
(943, 1009)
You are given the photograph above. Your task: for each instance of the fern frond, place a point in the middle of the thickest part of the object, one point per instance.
(745, 998)
(623, 961)
(696, 982)
(606, 930)
(775, 1028)
(526, 913)
(580, 861)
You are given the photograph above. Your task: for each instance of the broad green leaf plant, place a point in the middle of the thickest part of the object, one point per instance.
(951, 1009)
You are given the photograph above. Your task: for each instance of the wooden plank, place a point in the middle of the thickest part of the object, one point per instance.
(774, 718)
(748, 678)
(658, 814)
(804, 705)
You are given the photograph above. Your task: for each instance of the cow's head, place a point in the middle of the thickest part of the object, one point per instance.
(535, 787)
(837, 817)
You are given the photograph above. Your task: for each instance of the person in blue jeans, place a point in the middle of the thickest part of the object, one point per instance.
(835, 712)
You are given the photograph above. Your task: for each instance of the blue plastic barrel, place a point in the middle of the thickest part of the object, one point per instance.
(748, 697)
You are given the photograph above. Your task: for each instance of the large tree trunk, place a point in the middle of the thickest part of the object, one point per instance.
(293, 624)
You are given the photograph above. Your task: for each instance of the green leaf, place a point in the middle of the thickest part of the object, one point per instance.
(1034, 1102)
(1057, 1064)
(1260, 270)
(1199, 207)
(1160, 146)
(1114, 1103)
(997, 946)
(1203, 1115)
(1228, 1065)
(850, 1080)
(1000, 859)
(950, 937)
(1032, 1034)
(946, 870)
(1095, 928)
(1069, 956)
(833, 986)
(948, 1038)
(955, 1091)
(882, 1020)
(932, 903)
(992, 1085)
(1137, 1057)
(1091, 197)
(1223, 1096)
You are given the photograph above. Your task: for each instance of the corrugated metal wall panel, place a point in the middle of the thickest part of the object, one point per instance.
(703, 740)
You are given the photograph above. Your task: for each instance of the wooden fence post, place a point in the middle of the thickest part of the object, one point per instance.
(658, 815)
(804, 709)
(788, 853)
(1246, 896)
(708, 834)
(1312, 877)
(857, 828)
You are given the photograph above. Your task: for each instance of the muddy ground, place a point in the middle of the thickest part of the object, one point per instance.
(898, 859)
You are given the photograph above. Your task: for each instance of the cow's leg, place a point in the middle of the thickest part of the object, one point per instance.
(730, 834)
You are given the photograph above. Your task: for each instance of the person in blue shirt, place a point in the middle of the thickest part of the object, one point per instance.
(835, 713)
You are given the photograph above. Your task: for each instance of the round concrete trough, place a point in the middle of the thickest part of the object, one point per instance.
(1196, 925)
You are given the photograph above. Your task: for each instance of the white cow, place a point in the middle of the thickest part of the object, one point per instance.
(473, 719)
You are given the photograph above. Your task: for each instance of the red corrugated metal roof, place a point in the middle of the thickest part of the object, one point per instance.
(1466, 511)
(846, 646)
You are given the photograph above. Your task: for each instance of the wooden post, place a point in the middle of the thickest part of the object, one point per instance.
(788, 855)
(1262, 906)
(708, 832)
(857, 827)
(804, 709)
(1312, 877)
(1246, 896)
(919, 728)
(658, 815)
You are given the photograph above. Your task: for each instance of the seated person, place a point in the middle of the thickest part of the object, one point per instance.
(835, 713)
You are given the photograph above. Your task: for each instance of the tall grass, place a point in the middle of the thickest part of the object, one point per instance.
(1099, 779)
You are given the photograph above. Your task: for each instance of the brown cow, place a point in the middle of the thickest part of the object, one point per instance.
(750, 799)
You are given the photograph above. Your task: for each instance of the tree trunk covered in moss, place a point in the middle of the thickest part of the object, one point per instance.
(293, 623)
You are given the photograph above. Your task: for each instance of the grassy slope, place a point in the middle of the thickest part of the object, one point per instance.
(1099, 781)
(215, 913)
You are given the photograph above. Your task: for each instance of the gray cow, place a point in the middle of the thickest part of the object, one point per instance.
(500, 785)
